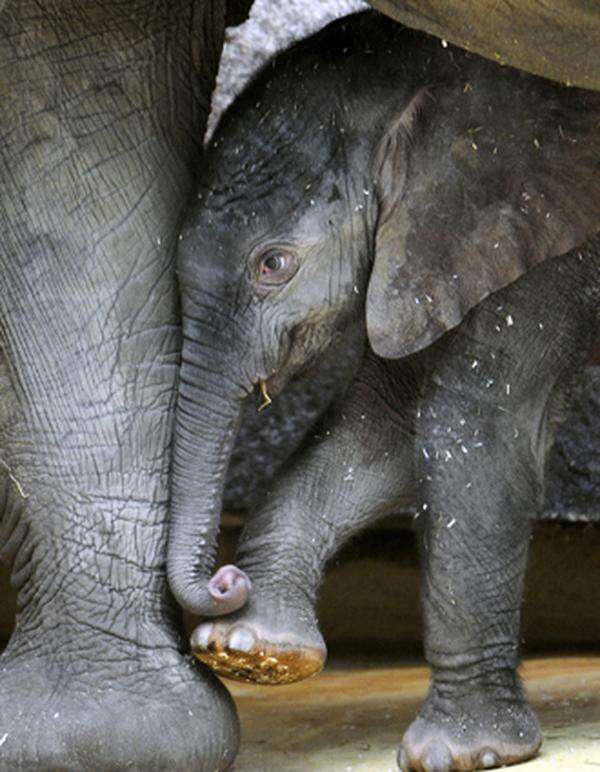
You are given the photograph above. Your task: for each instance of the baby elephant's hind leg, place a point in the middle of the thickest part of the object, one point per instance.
(483, 426)
(357, 468)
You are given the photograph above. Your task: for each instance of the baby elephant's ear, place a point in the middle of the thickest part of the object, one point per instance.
(477, 182)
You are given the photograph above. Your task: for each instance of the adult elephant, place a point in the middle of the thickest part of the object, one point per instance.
(558, 39)
(102, 112)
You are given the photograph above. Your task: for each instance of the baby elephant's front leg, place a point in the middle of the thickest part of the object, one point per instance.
(482, 445)
(357, 467)
(478, 495)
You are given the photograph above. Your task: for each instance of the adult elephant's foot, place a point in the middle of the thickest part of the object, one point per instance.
(473, 731)
(138, 709)
(269, 642)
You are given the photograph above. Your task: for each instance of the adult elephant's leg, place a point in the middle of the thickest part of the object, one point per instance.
(483, 430)
(357, 468)
(102, 107)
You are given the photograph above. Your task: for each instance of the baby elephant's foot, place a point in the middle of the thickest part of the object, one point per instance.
(474, 731)
(265, 643)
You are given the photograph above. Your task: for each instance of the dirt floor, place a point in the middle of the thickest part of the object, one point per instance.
(350, 719)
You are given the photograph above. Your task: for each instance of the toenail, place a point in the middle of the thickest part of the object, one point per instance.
(488, 759)
(241, 639)
(437, 758)
(403, 760)
(201, 636)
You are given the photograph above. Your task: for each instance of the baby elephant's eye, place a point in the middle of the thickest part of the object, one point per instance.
(276, 266)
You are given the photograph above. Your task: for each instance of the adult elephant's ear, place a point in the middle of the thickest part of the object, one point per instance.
(478, 181)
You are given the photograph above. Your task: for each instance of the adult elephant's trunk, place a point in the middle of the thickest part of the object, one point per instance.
(207, 419)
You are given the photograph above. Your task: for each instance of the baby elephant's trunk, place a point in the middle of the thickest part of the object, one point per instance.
(208, 412)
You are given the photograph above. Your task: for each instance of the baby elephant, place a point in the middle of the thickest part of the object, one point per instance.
(372, 182)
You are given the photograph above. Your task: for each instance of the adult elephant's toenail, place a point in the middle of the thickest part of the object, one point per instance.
(488, 759)
(437, 758)
(241, 639)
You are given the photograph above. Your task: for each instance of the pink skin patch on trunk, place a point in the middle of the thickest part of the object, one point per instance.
(229, 588)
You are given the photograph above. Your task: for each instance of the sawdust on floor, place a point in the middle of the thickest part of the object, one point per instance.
(351, 719)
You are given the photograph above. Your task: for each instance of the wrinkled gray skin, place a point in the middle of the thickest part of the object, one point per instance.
(102, 110)
(421, 189)
(573, 479)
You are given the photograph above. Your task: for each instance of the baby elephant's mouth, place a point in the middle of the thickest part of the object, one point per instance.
(268, 387)
(264, 393)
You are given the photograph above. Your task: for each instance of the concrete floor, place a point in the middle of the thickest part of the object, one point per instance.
(351, 719)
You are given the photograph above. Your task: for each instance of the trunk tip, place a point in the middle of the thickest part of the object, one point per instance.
(227, 591)
(230, 588)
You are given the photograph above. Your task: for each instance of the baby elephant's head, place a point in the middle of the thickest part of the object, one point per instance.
(367, 178)
(272, 273)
